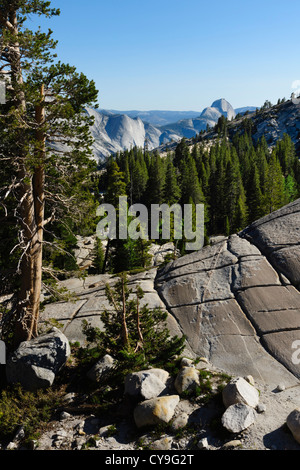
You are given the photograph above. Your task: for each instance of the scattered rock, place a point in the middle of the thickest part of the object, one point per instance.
(147, 384)
(280, 388)
(180, 421)
(232, 444)
(239, 390)
(250, 380)
(165, 443)
(20, 434)
(261, 408)
(238, 417)
(186, 362)
(203, 444)
(187, 380)
(11, 446)
(69, 397)
(101, 368)
(64, 415)
(155, 411)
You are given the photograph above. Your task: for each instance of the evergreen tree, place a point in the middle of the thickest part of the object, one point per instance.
(45, 104)
(181, 153)
(285, 151)
(190, 184)
(172, 191)
(235, 200)
(255, 197)
(290, 189)
(274, 191)
(217, 185)
(156, 182)
(139, 178)
(116, 185)
(135, 335)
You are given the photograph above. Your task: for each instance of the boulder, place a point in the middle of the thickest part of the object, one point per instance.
(101, 368)
(180, 421)
(239, 390)
(147, 383)
(238, 417)
(155, 411)
(187, 380)
(165, 443)
(293, 423)
(35, 363)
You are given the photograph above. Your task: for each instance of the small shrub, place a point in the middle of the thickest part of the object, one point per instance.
(31, 410)
(134, 335)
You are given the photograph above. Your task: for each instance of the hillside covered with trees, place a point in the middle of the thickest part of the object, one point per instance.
(238, 181)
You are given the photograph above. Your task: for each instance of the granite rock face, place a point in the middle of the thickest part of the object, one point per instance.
(237, 301)
(91, 301)
(277, 236)
(35, 363)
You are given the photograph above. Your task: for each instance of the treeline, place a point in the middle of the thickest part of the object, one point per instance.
(238, 181)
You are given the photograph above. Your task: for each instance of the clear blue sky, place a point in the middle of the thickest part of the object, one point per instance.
(181, 55)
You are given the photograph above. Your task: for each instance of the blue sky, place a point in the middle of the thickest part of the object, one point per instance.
(181, 55)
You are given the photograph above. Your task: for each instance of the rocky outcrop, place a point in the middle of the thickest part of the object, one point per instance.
(35, 363)
(293, 423)
(237, 301)
(277, 236)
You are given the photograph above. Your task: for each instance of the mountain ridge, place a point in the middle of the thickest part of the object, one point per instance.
(114, 131)
(270, 122)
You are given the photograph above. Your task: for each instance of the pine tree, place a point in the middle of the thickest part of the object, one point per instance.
(255, 196)
(274, 192)
(172, 191)
(235, 199)
(285, 151)
(45, 102)
(156, 182)
(190, 184)
(135, 335)
(139, 178)
(116, 185)
(290, 189)
(181, 153)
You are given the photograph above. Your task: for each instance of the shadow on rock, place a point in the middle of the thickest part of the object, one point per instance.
(280, 439)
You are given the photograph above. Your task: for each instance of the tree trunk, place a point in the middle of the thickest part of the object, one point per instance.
(124, 324)
(32, 213)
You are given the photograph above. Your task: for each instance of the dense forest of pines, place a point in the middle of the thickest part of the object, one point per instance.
(238, 182)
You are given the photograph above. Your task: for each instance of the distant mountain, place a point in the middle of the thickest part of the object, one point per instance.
(116, 131)
(209, 117)
(271, 123)
(156, 118)
(246, 109)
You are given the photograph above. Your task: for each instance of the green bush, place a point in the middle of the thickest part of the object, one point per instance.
(136, 336)
(31, 410)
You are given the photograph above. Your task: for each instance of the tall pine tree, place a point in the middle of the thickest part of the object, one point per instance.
(42, 127)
